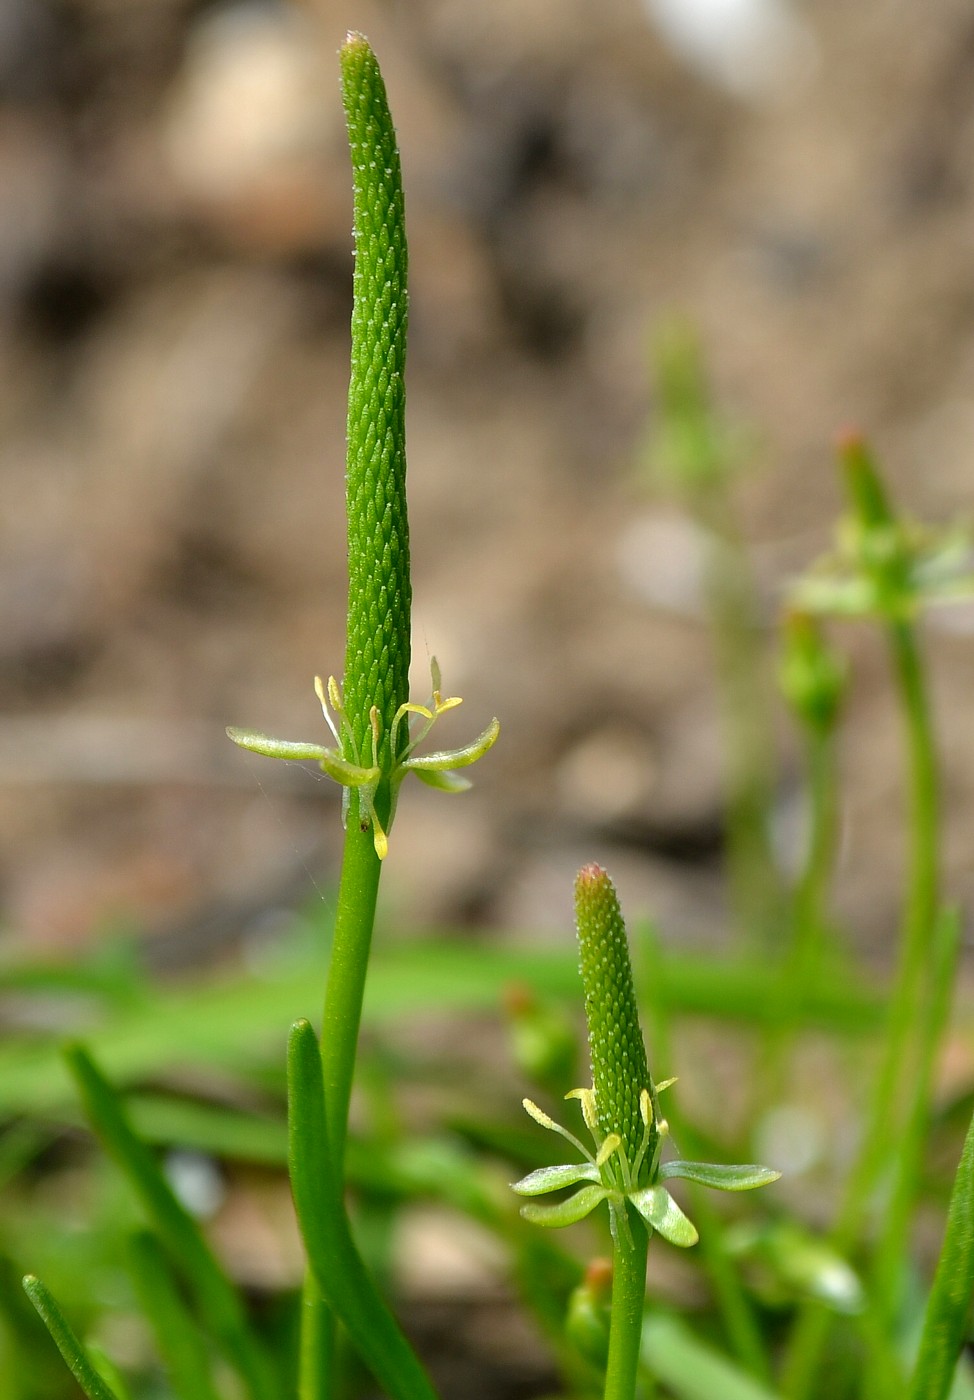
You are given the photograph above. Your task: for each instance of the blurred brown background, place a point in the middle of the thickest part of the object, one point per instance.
(175, 273)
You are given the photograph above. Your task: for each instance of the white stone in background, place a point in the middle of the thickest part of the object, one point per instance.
(662, 560)
(755, 49)
(253, 92)
(196, 1181)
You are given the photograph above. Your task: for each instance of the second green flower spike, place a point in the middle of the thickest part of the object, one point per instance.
(621, 1109)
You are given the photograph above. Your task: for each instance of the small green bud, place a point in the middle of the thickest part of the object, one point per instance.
(620, 1072)
(813, 677)
(589, 1308)
(691, 450)
(864, 488)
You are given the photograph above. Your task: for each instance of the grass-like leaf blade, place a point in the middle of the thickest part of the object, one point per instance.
(334, 1259)
(178, 1338)
(948, 1307)
(218, 1300)
(67, 1342)
(689, 1368)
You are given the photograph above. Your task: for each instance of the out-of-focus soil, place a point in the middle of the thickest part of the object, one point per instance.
(175, 269)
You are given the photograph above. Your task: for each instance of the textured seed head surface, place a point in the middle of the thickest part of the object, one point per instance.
(379, 591)
(619, 1068)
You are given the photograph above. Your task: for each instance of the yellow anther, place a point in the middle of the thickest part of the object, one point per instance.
(410, 709)
(538, 1114)
(611, 1144)
(586, 1099)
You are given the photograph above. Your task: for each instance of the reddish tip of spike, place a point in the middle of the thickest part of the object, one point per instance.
(590, 874)
(850, 438)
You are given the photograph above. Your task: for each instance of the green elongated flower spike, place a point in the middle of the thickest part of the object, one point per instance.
(621, 1110)
(370, 716)
(620, 1072)
(379, 590)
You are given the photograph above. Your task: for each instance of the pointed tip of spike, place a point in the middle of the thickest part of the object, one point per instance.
(849, 438)
(591, 874)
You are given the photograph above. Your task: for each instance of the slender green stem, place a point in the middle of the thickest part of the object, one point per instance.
(910, 989)
(357, 893)
(898, 1069)
(812, 890)
(802, 964)
(891, 1249)
(355, 917)
(749, 775)
(317, 1353)
(626, 1319)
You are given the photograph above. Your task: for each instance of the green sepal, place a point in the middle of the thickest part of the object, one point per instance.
(720, 1176)
(565, 1212)
(443, 781)
(659, 1210)
(293, 749)
(456, 758)
(536, 1183)
(348, 774)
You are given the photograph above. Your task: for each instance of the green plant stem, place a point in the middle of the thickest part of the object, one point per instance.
(890, 1254)
(317, 1353)
(803, 963)
(626, 1318)
(812, 889)
(912, 982)
(899, 1067)
(355, 917)
(351, 943)
(749, 775)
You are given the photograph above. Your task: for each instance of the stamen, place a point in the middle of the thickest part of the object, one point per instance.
(541, 1118)
(320, 692)
(586, 1098)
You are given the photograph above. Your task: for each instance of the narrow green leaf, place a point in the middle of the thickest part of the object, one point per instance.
(218, 1300)
(536, 1183)
(720, 1177)
(658, 1208)
(78, 1361)
(237, 1020)
(691, 1369)
(946, 1320)
(293, 749)
(336, 1263)
(569, 1212)
(179, 1340)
